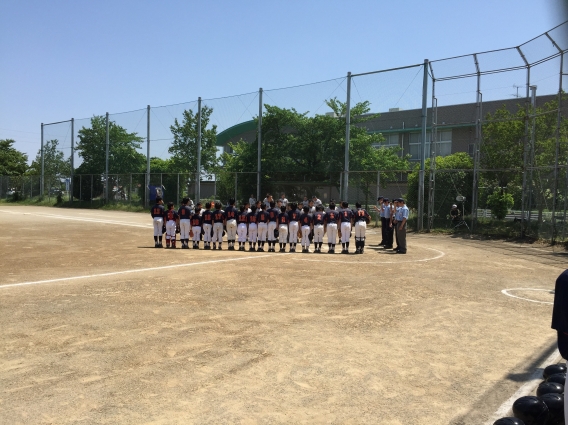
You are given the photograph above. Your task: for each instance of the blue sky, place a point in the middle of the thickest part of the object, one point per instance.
(63, 59)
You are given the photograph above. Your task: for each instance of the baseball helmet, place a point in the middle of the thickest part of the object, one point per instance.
(549, 387)
(508, 421)
(555, 404)
(163, 228)
(554, 368)
(559, 378)
(531, 410)
(276, 233)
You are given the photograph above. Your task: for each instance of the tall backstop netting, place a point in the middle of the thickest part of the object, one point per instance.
(486, 132)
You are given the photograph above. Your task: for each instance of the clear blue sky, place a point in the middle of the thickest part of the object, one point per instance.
(63, 59)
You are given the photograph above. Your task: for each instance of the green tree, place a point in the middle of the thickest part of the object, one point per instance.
(91, 147)
(184, 145)
(12, 161)
(302, 153)
(503, 151)
(55, 163)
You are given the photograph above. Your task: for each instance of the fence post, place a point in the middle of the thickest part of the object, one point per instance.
(147, 188)
(198, 179)
(236, 184)
(106, 159)
(259, 138)
(72, 159)
(42, 178)
(420, 224)
(345, 191)
(477, 148)
(433, 141)
(557, 147)
(526, 142)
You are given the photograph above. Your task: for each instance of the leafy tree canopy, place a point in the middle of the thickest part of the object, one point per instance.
(123, 154)
(55, 163)
(184, 145)
(12, 161)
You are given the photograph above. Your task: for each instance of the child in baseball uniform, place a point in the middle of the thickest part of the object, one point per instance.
(158, 213)
(272, 223)
(207, 225)
(242, 221)
(184, 214)
(252, 228)
(307, 226)
(219, 221)
(346, 217)
(231, 214)
(330, 227)
(361, 219)
(196, 224)
(171, 225)
(319, 230)
(262, 222)
(283, 221)
(293, 227)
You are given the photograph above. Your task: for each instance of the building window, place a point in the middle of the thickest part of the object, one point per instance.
(443, 147)
(391, 141)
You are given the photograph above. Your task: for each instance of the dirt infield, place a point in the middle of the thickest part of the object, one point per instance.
(97, 326)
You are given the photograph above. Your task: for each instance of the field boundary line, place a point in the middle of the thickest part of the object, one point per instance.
(63, 279)
(90, 220)
(527, 388)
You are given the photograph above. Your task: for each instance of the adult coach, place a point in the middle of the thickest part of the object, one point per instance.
(401, 219)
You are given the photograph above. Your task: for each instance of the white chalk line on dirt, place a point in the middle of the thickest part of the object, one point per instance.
(506, 292)
(173, 266)
(440, 255)
(526, 389)
(91, 220)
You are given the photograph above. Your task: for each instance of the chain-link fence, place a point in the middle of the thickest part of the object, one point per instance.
(486, 132)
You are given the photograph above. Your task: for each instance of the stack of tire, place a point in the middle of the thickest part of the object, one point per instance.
(547, 407)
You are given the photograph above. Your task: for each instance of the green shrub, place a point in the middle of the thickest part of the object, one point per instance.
(500, 204)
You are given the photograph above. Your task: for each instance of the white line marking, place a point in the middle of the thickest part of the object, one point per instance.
(440, 255)
(91, 220)
(38, 282)
(527, 388)
(505, 291)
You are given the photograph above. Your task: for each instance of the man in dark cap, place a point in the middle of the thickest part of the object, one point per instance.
(560, 320)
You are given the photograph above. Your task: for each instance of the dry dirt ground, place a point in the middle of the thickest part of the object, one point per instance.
(97, 326)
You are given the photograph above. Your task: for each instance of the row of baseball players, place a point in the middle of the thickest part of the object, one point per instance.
(394, 216)
(259, 224)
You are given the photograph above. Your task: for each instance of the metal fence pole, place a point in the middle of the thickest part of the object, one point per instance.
(198, 179)
(236, 184)
(420, 223)
(345, 191)
(557, 146)
(72, 159)
(147, 188)
(477, 148)
(42, 179)
(80, 188)
(177, 194)
(525, 147)
(259, 137)
(433, 139)
(106, 158)
(531, 154)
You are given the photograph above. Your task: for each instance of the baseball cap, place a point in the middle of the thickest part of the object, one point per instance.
(454, 206)
(379, 198)
(386, 199)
